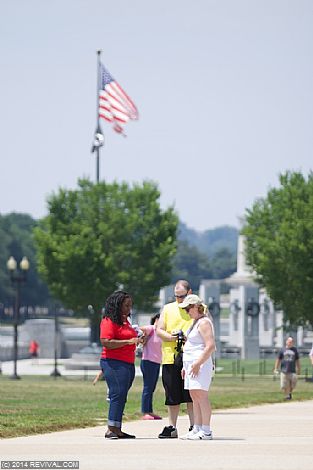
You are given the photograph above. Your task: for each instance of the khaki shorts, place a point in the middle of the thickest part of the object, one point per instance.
(288, 381)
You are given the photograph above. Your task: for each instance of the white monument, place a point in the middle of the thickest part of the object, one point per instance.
(244, 307)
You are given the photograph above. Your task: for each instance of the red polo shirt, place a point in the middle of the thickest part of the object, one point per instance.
(111, 330)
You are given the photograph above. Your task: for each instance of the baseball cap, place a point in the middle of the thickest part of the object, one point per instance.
(191, 299)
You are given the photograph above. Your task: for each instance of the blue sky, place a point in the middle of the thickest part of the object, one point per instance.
(224, 91)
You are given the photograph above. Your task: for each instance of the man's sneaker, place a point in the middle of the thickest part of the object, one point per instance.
(201, 436)
(169, 432)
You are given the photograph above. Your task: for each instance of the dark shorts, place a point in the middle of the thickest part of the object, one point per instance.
(173, 384)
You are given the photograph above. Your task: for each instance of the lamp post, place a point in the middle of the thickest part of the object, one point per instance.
(56, 373)
(18, 275)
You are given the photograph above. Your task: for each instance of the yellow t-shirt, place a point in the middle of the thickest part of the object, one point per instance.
(175, 318)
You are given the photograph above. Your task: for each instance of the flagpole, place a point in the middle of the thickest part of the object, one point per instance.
(98, 139)
(98, 118)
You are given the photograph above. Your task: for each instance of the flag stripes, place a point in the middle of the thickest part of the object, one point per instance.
(115, 105)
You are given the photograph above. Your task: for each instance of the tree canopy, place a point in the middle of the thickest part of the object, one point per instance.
(100, 237)
(210, 241)
(192, 264)
(279, 231)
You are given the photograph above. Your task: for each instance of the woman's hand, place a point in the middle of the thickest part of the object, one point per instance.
(134, 341)
(194, 369)
(143, 340)
(183, 373)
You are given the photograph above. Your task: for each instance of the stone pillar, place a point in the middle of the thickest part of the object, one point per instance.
(279, 329)
(299, 337)
(235, 317)
(209, 292)
(251, 331)
(242, 267)
(267, 320)
(244, 321)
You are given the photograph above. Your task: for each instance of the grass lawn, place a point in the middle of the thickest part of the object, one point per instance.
(43, 404)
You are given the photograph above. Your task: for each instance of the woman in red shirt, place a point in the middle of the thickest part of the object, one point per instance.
(119, 341)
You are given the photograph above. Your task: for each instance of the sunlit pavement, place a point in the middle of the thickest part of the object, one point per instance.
(268, 437)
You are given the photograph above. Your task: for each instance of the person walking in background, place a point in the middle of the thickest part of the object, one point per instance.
(289, 364)
(119, 341)
(198, 366)
(33, 349)
(173, 318)
(150, 367)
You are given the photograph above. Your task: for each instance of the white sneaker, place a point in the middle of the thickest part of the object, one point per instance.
(200, 436)
(189, 434)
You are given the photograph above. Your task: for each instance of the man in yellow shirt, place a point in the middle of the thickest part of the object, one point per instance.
(172, 319)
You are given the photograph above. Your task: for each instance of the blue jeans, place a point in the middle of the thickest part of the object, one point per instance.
(119, 376)
(150, 371)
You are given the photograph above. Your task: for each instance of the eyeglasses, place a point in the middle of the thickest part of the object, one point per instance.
(189, 308)
(180, 296)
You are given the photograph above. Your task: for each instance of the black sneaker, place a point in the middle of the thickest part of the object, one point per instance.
(110, 435)
(169, 432)
(124, 435)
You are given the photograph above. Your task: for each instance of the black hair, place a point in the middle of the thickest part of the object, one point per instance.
(154, 318)
(113, 305)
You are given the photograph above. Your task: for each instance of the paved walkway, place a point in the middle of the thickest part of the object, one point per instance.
(268, 437)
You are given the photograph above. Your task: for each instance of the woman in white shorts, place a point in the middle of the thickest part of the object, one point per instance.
(198, 366)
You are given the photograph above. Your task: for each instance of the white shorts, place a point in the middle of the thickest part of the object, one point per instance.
(203, 379)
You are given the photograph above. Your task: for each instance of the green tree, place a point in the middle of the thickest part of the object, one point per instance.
(99, 237)
(190, 264)
(223, 263)
(16, 239)
(210, 241)
(279, 231)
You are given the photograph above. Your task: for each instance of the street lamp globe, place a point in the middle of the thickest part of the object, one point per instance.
(11, 264)
(24, 264)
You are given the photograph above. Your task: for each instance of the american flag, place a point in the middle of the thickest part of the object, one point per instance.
(115, 105)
